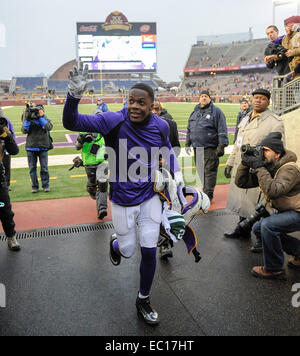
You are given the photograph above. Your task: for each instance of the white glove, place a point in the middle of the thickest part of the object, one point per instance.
(78, 81)
(179, 179)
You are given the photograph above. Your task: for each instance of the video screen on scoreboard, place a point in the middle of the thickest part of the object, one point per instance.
(118, 53)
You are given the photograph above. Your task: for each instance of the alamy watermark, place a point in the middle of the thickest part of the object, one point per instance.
(2, 296)
(296, 297)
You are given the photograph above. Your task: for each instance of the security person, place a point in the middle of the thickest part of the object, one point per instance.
(94, 161)
(207, 129)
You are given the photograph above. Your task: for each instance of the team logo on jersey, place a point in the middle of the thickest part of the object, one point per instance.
(116, 21)
(2, 205)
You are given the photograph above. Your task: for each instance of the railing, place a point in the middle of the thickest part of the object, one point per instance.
(286, 94)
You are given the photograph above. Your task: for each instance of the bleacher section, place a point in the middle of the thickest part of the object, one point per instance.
(24, 84)
(234, 54)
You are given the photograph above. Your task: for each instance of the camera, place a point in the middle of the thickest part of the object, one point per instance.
(252, 150)
(260, 213)
(32, 112)
(280, 51)
(87, 138)
(3, 123)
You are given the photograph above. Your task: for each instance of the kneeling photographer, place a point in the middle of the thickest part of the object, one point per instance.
(7, 143)
(274, 170)
(94, 161)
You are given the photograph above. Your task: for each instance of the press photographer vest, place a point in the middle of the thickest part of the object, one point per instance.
(93, 152)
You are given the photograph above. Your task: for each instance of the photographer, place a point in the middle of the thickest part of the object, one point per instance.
(292, 42)
(275, 52)
(253, 128)
(7, 157)
(38, 142)
(93, 160)
(275, 171)
(7, 143)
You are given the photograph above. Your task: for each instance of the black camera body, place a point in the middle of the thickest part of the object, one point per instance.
(3, 123)
(249, 150)
(280, 51)
(32, 112)
(247, 224)
(88, 137)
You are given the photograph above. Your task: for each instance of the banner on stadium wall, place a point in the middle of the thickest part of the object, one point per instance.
(224, 69)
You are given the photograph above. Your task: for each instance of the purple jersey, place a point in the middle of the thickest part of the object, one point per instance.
(126, 138)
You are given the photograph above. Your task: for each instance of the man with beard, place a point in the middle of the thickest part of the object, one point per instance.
(129, 134)
(276, 173)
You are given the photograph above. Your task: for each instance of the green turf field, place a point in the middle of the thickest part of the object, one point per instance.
(72, 184)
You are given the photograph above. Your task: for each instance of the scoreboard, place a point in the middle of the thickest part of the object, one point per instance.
(117, 45)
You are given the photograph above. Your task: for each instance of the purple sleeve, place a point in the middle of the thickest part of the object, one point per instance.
(102, 123)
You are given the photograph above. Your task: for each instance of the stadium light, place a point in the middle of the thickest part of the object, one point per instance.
(277, 3)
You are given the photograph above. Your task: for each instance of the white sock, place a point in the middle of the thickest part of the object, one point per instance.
(142, 296)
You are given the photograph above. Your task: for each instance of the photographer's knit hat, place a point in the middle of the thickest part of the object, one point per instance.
(274, 141)
(292, 19)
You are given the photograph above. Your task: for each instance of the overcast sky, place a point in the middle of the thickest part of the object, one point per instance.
(40, 34)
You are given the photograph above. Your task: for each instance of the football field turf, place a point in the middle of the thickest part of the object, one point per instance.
(72, 184)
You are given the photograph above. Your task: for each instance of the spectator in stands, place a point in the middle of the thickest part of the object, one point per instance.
(7, 158)
(292, 42)
(252, 130)
(273, 49)
(245, 110)
(38, 143)
(101, 105)
(7, 143)
(173, 135)
(207, 129)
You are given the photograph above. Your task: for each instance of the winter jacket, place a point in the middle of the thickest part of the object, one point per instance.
(281, 65)
(240, 117)
(207, 128)
(244, 201)
(38, 137)
(293, 42)
(281, 186)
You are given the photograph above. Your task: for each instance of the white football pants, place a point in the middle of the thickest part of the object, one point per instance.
(148, 216)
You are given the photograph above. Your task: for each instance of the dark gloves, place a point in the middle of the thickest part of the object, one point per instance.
(227, 172)
(220, 151)
(253, 162)
(77, 163)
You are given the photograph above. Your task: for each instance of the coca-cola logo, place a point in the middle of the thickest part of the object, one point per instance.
(145, 28)
(90, 28)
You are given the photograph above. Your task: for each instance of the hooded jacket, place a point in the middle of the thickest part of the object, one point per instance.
(280, 186)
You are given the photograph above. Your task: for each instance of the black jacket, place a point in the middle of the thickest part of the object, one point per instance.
(282, 65)
(173, 135)
(38, 136)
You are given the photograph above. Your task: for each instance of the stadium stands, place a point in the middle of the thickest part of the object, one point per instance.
(29, 83)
